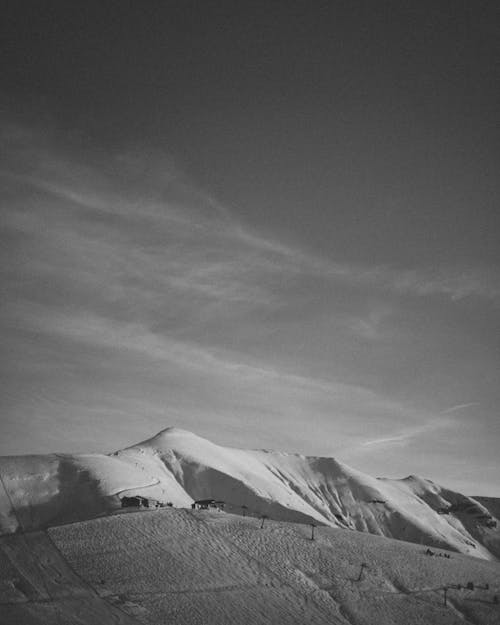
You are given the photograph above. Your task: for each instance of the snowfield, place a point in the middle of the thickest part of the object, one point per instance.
(186, 567)
(177, 466)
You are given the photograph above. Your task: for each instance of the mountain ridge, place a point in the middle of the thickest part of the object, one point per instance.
(179, 466)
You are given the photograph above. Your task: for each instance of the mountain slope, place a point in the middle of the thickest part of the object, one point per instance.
(197, 567)
(178, 466)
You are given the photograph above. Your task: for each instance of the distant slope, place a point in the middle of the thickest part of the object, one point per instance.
(177, 466)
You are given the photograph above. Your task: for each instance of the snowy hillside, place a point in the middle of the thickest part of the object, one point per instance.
(204, 567)
(177, 466)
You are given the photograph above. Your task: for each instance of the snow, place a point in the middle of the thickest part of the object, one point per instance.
(37, 587)
(178, 466)
(194, 567)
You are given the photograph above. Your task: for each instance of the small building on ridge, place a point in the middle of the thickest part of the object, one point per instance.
(136, 501)
(207, 504)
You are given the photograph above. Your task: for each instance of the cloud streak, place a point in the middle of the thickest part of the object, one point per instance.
(128, 290)
(459, 407)
(408, 435)
(230, 260)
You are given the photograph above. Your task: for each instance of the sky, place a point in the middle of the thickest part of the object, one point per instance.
(273, 224)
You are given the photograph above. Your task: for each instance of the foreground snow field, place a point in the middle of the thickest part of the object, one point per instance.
(194, 567)
(177, 466)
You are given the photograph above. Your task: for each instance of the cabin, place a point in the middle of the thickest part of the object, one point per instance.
(207, 504)
(135, 501)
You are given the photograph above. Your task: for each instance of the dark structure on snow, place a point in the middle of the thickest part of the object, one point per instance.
(135, 502)
(206, 504)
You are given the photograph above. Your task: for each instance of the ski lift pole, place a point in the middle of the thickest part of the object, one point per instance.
(313, 525)
(361, 571)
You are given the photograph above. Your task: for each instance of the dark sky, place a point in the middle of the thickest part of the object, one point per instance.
(357, 113)
(337, 164)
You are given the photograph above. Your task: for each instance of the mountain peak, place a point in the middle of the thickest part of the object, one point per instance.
(174, 430)
(166, 435)
(178, 466)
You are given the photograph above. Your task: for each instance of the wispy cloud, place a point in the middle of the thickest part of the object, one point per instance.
(204, 247)
(371, 326)
(402, 437)
(121, 259)
(119, 337)
(459, 407)
(198, 382)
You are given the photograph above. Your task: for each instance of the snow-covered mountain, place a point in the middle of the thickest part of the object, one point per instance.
(178, 466)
